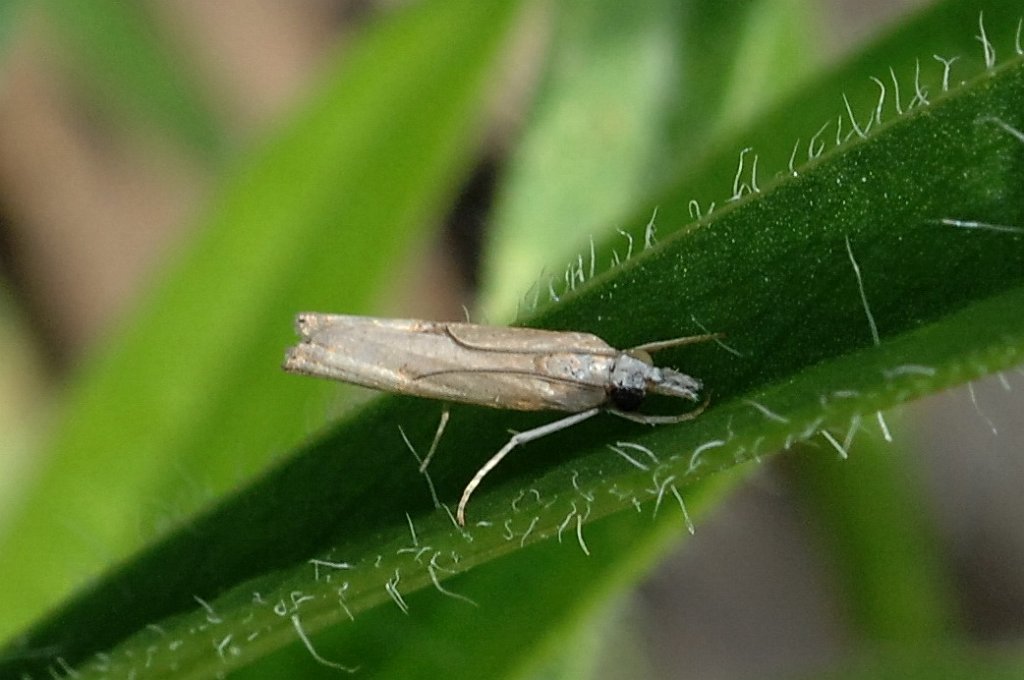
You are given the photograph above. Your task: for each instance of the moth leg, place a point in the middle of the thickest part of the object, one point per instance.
(663, 420)
(437, 437)
(676, 342)
(517, 439)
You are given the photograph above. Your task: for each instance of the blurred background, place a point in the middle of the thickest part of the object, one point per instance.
(98, 192)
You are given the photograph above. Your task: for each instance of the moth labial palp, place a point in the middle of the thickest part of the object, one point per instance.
(523, 369)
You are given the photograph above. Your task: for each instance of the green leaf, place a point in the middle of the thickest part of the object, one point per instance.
(10, 14)
(862, 236)
(117, 52)
(937, 662)
(21, 391)
(188, 398)
(867, 514)
(631, 92)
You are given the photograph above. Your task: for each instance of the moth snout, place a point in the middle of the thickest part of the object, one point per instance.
(678, 384)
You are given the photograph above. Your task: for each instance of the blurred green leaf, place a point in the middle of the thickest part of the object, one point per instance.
(631, 91)
(867, 514)
(9, 17)
(939, 662)
(120, 58)
(22, 403)
(188, 399)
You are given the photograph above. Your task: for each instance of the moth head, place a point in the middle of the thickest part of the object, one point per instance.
(634, 375)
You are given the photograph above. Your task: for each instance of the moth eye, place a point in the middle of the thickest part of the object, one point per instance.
(641, 355)
(627, 398)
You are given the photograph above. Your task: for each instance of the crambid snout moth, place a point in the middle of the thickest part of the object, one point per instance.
(524, 369)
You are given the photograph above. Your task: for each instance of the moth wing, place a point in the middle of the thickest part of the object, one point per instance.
(474, 364)
(519, 392)
(323, 328)
(369, 351)
(534, 340)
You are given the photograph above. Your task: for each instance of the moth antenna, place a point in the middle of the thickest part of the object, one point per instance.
(677, 342)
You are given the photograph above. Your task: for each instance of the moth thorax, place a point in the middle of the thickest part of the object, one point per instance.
(627, 385)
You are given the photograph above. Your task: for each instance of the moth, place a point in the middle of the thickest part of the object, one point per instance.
(523, 369)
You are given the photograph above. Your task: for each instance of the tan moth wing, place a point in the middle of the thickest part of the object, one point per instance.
(512, 368)
(533, 340)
